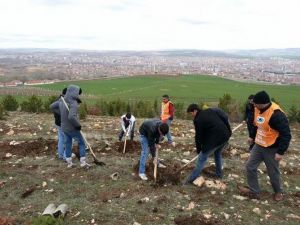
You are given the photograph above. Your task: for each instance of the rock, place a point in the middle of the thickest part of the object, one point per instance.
(186, 153)
(233, 152)
(44, 184)
(286, 184)
(122, 195)
(282, 163)
(54, 130)
(185, 161)
(136, 223)
(199, 181)
(239, 197)
(8, 155)
(192, 131)
(146, 199)
(245, 156)
(257, 211)
(213, 192)
(11, 132)
(191, 206)
(226, 216)
(14, 143)
(115, 176)
(207, 216)
(293, 216)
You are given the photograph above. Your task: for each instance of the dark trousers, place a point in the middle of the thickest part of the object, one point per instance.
(131, 133)
(260, 154)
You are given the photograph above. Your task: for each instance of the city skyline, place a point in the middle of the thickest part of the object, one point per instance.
(149, 25)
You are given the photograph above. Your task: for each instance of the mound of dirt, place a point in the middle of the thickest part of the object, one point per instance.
(29, 148)
(6, 221)
(131, 146)
(164, 175)
(195, 219)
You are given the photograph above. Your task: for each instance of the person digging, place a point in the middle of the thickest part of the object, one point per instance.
(70, 124)
(212, 134)
(270, 133)
(127, 124)
(151, 133)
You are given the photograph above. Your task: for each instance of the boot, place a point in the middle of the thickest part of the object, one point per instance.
(83, 163)
(69, 162)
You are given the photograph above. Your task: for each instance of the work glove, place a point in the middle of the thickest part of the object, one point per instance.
(78, 128)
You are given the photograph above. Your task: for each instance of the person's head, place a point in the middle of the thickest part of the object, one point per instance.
(193, 109)
(64, 91)
(250, 98)
(261, 100)
(165, 98)
(128, 116)
(163, 129)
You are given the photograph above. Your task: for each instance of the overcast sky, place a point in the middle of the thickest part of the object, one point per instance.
(150, 24)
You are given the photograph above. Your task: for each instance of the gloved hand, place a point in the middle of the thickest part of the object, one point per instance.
(78, 128)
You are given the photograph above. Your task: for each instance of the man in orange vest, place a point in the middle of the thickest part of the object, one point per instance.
(271, 136)
(167, 115)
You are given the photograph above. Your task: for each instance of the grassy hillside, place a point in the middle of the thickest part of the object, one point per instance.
(186, 89)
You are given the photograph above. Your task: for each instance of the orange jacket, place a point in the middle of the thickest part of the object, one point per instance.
(167, 111)
(265, 135)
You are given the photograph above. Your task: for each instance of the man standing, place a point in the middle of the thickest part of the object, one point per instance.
(127, 124)
(61, 142)
(70, 124)
(249, 115)
(151, 133)
(271, 137)
(167, 115)
(212, 134)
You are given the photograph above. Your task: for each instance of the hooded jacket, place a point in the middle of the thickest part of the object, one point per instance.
(69, 118)
(212, 129)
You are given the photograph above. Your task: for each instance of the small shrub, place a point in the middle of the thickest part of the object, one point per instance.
(2, 112)
(48, 102)
(10, 103)
(47, 220)
(33, 104)
(82, 111)
(293, 114)
(224, 102)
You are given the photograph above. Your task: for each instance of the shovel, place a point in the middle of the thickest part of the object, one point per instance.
(193, 159)
(155, 164)
(125, 142)
(96, 161)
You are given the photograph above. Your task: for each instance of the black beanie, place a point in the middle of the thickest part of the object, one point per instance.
(261, 98)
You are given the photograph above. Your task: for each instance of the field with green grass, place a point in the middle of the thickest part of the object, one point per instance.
(187, 89)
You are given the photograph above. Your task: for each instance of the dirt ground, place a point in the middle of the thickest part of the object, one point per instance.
(31, 177)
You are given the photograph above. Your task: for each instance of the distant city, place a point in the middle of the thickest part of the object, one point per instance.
(38, 66)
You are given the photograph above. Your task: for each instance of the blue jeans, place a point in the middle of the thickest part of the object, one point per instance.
(169, 137)
(144, 153)
(61, 144)
(202, 158)
(68, 139)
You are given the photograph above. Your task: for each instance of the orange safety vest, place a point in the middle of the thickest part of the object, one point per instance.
(265, 135)
(165, 111)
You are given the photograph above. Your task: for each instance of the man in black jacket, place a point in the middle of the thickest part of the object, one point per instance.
(151, 133)
(249, 115)
(270, 134)
(212, 134)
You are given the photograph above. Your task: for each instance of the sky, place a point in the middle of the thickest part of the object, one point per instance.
(150, 24)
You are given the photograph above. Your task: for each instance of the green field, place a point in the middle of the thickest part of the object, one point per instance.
(185, 89)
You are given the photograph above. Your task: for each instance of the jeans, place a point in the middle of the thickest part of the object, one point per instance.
(260, 154)
(144, 154)
(202, 158)
(169, 137)
(61, 144)
(69, 136)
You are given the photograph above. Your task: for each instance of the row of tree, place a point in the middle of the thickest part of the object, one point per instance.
(141, 108)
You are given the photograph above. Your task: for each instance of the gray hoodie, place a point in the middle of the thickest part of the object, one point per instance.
(69, 119)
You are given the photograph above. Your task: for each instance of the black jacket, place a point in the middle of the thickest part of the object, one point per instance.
(279, 122)
(149, 129)
(212, 129)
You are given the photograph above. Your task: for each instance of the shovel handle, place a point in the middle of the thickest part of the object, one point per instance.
(155, 164)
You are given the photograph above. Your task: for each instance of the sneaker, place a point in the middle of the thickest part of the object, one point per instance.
(69, 162)
(143, 176)
(278, 197)
(73, 156)
(160, 165)
(83, 163)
